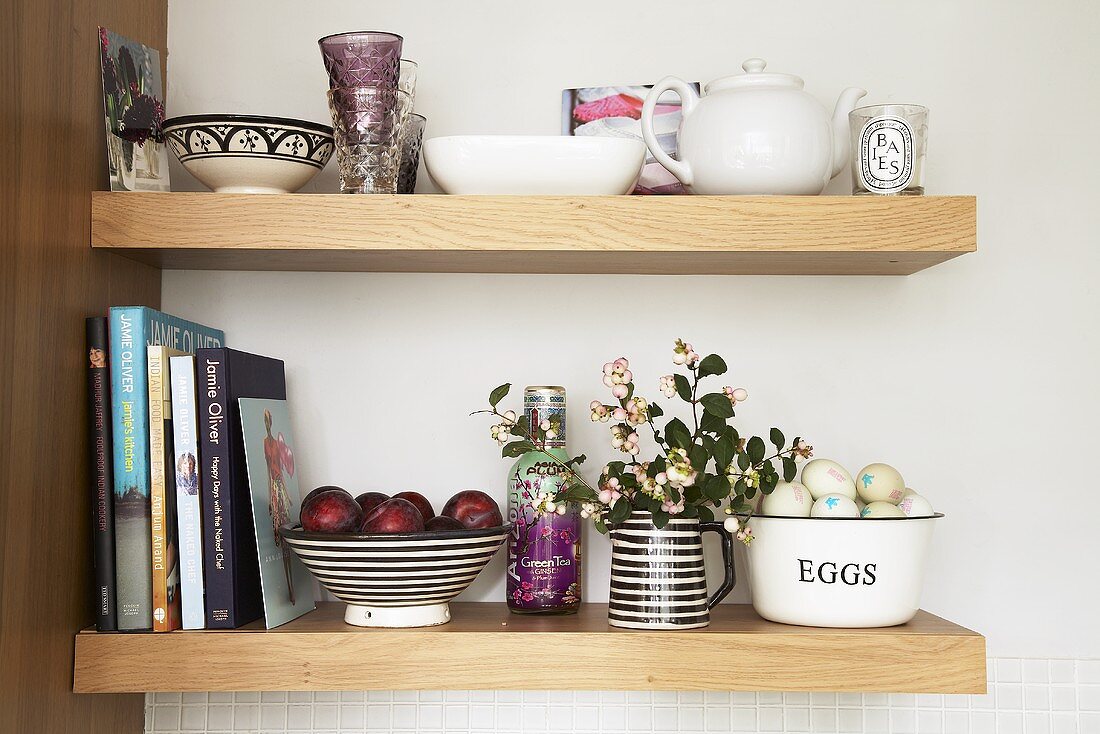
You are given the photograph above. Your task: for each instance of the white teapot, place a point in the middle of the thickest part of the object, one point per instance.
(754, 133)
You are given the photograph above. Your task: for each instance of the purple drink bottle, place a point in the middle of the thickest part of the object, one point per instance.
(544, 550)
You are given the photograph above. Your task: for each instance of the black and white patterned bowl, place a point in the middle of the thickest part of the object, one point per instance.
(398, 579)
(251, 154)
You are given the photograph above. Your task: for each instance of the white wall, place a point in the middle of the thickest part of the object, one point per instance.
(977, 378)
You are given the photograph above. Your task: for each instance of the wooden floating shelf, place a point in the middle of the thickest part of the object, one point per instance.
(484, 646)
(670, 235)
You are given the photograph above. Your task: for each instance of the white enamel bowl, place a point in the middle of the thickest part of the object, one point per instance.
(397, 579)
(825, 572)
(534, 165)
(250, 154)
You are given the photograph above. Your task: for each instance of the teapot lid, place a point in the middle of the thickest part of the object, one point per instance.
(754, 77)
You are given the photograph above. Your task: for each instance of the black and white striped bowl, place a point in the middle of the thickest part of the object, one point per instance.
(397, 579)
(250, 154)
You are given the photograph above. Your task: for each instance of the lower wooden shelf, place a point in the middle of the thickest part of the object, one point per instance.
(486, 647)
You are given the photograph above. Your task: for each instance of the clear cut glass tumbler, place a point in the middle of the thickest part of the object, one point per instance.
(412, 137)
(366, 124)
(407, 80)
(889, 142)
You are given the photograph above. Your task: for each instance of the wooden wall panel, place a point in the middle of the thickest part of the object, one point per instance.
(51, 158)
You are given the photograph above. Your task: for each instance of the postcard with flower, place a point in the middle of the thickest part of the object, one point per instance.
(133, 110)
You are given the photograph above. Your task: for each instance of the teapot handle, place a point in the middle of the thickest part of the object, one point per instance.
(689, 98)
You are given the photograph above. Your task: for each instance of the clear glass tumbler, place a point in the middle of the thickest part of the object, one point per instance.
(362, 59)
(407, 81)
(889, 142)
(412, 137)
(367, 124)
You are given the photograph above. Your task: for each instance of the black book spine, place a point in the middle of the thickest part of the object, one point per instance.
(103, 513)
(217, 478)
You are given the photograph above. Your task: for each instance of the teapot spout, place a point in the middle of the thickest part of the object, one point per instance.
(842, 133)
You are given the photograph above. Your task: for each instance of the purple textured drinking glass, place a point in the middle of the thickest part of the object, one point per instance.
(362, 59)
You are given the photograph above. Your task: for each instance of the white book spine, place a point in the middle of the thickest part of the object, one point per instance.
(188, 497)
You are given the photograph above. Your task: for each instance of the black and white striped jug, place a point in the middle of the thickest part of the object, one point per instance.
(657, 576)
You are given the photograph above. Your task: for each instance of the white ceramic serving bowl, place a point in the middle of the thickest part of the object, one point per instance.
(826, 572)
(396, 579)
(250, 154)
(546, 165)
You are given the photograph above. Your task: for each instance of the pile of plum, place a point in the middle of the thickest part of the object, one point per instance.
(332, 509)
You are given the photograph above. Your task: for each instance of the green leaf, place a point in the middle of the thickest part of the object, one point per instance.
(723, 453)
(777, 439)
(516, 448)
(683, 387)
(706, 514)
(576, 460)
(660, 519)
(600, 526)
(673, 493)
(742, 461)
(692, 494)
(768, 482)
(756, 449)
(655, 411)
(698, 457)
(740, 487)
(619, 511)
(690, 511)
(717, 488)
(712, 364)
(499, 394)
(790, 469)
(712, 423)
(678, 434)
(718, 404)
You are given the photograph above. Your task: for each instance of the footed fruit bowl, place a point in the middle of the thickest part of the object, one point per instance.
(250, 154)
(396, 579)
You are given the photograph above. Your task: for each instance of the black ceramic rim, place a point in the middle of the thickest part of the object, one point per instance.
(398, 36)
(296, 532)
(246, 120)
(750, 518)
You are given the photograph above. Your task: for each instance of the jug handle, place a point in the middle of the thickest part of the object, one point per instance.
(689, 98)
(727, 560)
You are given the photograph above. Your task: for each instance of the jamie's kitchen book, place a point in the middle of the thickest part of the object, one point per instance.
(162, 494)
(185, 436)
(132, 330)
(233, 591)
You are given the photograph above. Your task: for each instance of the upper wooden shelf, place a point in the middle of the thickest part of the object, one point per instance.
(672, 235)
(485, 646)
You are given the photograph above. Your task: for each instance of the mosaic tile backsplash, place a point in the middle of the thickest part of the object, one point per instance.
(1026, 696)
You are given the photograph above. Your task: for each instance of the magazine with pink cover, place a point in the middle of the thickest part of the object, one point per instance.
(616, 112)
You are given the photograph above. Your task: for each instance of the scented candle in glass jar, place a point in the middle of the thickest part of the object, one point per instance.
(889, 142)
